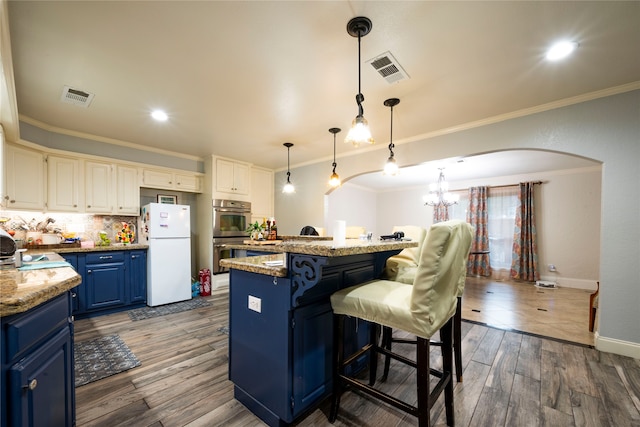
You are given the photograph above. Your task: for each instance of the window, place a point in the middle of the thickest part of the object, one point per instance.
(501, 205)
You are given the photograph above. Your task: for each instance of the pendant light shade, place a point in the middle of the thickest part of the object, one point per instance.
(334, 179)
(391, 167)
(288, 187)
(359, 132)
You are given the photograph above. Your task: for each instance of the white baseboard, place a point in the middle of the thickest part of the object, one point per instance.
(612, 345)
(565, 282)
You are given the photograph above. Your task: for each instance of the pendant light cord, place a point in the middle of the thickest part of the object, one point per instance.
(391, 135)
(359, 96)
(288, 172)
(334, 153)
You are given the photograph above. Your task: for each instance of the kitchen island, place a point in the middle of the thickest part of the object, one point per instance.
(281, 322)
(37, 375)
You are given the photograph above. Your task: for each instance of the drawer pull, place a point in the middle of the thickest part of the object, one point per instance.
(106, 257)
(32, 384)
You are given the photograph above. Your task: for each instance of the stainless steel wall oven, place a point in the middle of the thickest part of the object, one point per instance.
(230, 220)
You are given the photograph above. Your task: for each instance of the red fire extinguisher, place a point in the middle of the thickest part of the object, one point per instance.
(205, 282)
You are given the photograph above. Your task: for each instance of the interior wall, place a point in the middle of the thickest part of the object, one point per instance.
(355, 205)
(567, 217)
(604, 129)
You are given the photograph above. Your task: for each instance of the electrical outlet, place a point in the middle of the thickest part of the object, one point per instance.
(552, 267)
(255, 304)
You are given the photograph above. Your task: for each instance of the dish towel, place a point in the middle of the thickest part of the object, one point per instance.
(43, 264)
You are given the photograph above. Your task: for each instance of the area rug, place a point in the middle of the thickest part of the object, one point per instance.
(102, 357)
(148, 312)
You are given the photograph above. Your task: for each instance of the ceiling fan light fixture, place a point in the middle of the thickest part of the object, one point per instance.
(359, 133)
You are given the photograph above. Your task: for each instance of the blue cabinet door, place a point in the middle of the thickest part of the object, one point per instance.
(104, 285)
(137, 277)
(41, 385)
(75, 297)
(259, 359)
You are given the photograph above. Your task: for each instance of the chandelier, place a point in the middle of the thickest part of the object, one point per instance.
(439, 194)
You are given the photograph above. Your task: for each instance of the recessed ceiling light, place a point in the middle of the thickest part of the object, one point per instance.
(159, 115)
(561, 50)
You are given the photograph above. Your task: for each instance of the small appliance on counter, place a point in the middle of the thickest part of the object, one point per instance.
(7, 249)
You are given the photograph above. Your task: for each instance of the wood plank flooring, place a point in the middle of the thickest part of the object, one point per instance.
(510, 378)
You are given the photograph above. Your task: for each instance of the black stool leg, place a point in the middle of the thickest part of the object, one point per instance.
(422, 359)
(457, 340)
(387, 333)
(373, 354)
(338, 355)
(446, 335)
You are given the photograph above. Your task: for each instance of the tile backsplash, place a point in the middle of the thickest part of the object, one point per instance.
(86, 227)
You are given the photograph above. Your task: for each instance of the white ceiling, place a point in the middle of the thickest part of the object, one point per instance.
(240, 78)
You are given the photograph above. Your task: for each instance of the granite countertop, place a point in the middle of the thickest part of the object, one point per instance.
(328, 247)
(351, 247)
(259, 264)
(21, 291)
(256, 264)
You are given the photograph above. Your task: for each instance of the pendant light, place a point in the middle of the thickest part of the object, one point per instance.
(391, 167)
(359, 132)
(288, 187)
(334, 179)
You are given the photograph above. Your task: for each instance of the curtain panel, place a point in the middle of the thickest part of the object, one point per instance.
(478, 263)
(524, 265)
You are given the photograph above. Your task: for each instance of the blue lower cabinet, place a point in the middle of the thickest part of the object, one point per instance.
(37, 366)
(111, 281)
(281, 334)
(137, 277)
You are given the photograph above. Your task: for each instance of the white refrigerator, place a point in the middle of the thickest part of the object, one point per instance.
(167, 230)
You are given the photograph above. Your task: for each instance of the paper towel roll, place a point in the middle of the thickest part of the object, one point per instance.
(339, 232)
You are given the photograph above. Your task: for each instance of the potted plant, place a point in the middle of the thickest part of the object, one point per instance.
(255, 231)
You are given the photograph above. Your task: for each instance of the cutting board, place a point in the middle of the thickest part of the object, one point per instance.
(262, 242)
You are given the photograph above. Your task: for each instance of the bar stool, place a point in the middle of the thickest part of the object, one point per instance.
(422, 309)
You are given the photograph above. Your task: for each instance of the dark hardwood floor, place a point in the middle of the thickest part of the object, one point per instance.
(510, 379)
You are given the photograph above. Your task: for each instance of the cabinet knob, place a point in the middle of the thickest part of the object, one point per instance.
(88, 271)
(32, 384)
(12, 201)
(89, 206)
(75, 206)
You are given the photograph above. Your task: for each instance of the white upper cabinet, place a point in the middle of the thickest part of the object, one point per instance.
(168, 180)
(98, 187)
(63, 184)
(231, 177)
(127, 190)
(261, 193)
(24, 179)
(111, 189)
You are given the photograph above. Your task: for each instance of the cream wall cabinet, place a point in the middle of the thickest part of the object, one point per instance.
(261, 193)
(167, 180)
(231, 177)
(63, 184)
(98, 187)
(127, 191)
(107, 192)
(24, 179)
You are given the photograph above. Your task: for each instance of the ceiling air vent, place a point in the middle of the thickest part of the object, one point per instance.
(388, 67)
(76, 97)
